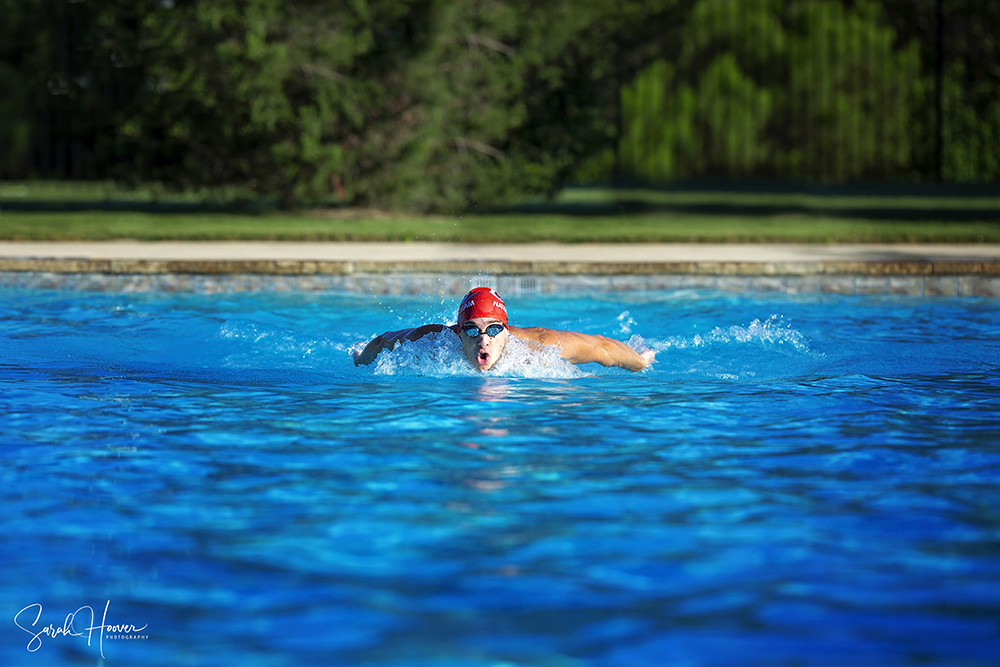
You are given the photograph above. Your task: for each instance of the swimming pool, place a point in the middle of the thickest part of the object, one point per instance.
(799, 480)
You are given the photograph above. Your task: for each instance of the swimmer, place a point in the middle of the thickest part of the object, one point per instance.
(482, 327)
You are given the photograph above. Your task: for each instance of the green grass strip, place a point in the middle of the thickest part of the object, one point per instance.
(509, 228)
(815, 202)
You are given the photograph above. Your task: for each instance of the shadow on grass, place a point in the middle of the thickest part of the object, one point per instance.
(889, 202)
(114, 206)
(909, 202)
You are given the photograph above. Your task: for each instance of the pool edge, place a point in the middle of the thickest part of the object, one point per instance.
(921, 278)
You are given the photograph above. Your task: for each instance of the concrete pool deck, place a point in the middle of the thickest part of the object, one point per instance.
(917, 269)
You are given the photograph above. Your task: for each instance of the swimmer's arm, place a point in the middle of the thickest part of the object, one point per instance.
(579, 348)
(390, 339)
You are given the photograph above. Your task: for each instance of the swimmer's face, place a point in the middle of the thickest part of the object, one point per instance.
(483, 351)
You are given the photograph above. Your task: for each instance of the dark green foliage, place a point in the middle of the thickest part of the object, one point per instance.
(15, 111)
(438, 142)
(274, 95)
(65, 69)
(419, 104)
(450, 105)
(972, 91)
(821, 90)
(807, 88)
(504, 100)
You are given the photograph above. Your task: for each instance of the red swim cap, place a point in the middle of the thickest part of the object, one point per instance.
(482, 302)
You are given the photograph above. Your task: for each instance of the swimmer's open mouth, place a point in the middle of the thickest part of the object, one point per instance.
(484, 358)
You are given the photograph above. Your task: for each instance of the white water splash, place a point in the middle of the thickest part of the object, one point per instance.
(763, 349)
(638, 343)
(434, 354)
(773, 331)
(625, 322)
(440, 354)
(521, 359)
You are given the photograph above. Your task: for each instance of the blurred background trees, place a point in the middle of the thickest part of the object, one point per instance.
(821, 90)
(450, 104)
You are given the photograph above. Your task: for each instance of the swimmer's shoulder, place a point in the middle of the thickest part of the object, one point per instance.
(425, 329)
(541, 335)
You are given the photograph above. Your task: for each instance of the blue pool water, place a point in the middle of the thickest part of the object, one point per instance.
(803, 481)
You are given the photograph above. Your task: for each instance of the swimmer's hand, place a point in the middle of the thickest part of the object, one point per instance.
(366, 355)
(386, 341)
(648, 357)
(360, 358)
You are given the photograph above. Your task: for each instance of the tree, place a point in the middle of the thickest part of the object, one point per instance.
(268, 94)
(419, 104)
(457, 104)
(60, 72)
(808, 89)
(506, 99)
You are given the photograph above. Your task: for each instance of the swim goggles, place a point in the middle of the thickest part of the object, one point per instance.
(472, 331)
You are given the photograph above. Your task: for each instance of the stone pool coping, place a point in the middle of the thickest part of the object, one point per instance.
(914, 269)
